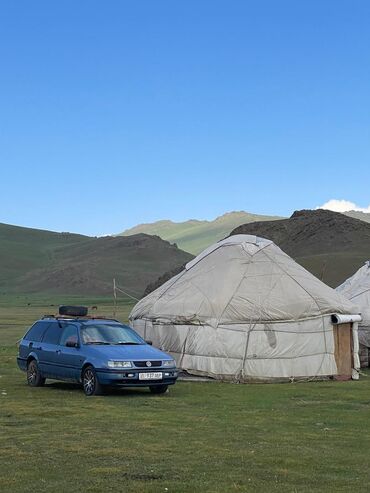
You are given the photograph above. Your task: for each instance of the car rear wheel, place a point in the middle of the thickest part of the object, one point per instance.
(158, 389)
(34, 377)
(90, 382)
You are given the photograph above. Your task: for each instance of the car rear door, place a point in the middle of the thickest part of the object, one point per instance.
(31, 342)
(48, 356)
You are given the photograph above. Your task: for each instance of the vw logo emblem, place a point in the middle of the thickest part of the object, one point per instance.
(148, 363)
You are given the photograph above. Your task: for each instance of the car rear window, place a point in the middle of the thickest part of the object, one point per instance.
(52, 334)
(36, 331)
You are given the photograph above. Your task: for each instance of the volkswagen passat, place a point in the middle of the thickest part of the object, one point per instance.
(97, 352)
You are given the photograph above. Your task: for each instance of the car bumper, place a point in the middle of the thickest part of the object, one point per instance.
(130, 378)
(22, 363)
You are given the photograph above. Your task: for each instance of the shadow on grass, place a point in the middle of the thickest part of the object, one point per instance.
(126, 392)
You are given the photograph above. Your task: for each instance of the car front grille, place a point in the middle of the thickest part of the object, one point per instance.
(143, 364)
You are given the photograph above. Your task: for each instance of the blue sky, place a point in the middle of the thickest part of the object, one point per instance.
(122, 112)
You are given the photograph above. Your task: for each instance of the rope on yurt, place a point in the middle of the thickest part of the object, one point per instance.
(358, 294)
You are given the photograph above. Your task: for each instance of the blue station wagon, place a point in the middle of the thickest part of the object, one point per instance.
(96, 352)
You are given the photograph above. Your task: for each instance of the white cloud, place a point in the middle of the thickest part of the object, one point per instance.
(342, 206)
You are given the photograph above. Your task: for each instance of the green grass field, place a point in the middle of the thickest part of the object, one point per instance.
(206, 437)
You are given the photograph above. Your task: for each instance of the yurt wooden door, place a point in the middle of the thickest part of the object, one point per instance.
(343, 350)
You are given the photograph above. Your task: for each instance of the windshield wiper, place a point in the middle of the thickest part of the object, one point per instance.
(98, 342)
(128, 343)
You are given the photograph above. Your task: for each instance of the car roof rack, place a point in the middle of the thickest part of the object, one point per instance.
(86, 317)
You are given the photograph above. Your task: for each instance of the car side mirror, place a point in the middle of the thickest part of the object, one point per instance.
(72, 344)
(150, 343)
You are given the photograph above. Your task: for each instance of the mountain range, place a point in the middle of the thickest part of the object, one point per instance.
(332, 246)
(194, 235)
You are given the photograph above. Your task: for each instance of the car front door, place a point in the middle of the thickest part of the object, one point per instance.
(70, 358)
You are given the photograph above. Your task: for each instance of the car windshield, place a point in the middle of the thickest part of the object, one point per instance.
(109, 334)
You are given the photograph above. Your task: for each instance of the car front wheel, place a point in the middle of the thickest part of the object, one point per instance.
(158, 389)
(90, 382)
(34, 377)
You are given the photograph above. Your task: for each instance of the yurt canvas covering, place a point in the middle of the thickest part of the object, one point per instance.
(244, 310)
(357, 289)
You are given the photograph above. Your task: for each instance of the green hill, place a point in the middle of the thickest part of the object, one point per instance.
(36, 261)
(194, 236)
(26, 249)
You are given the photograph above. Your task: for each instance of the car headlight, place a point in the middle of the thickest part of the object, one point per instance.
(119, 364)
(169, 363)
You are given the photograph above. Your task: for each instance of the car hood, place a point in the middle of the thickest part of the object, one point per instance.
(134, 352)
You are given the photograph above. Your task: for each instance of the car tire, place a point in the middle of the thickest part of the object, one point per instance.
(34, 377)
(90, 382)
(159, 389)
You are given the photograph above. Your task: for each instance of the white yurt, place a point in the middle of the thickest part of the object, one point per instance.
(357, 289)
(243, 310)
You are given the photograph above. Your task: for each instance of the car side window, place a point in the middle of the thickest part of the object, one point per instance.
(52, 334)
(36, 331)
(69, 335)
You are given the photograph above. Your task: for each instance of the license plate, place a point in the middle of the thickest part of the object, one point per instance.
(150, 376)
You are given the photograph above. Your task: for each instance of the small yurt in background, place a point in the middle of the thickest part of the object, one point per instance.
(357, 289)
(243, 310)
